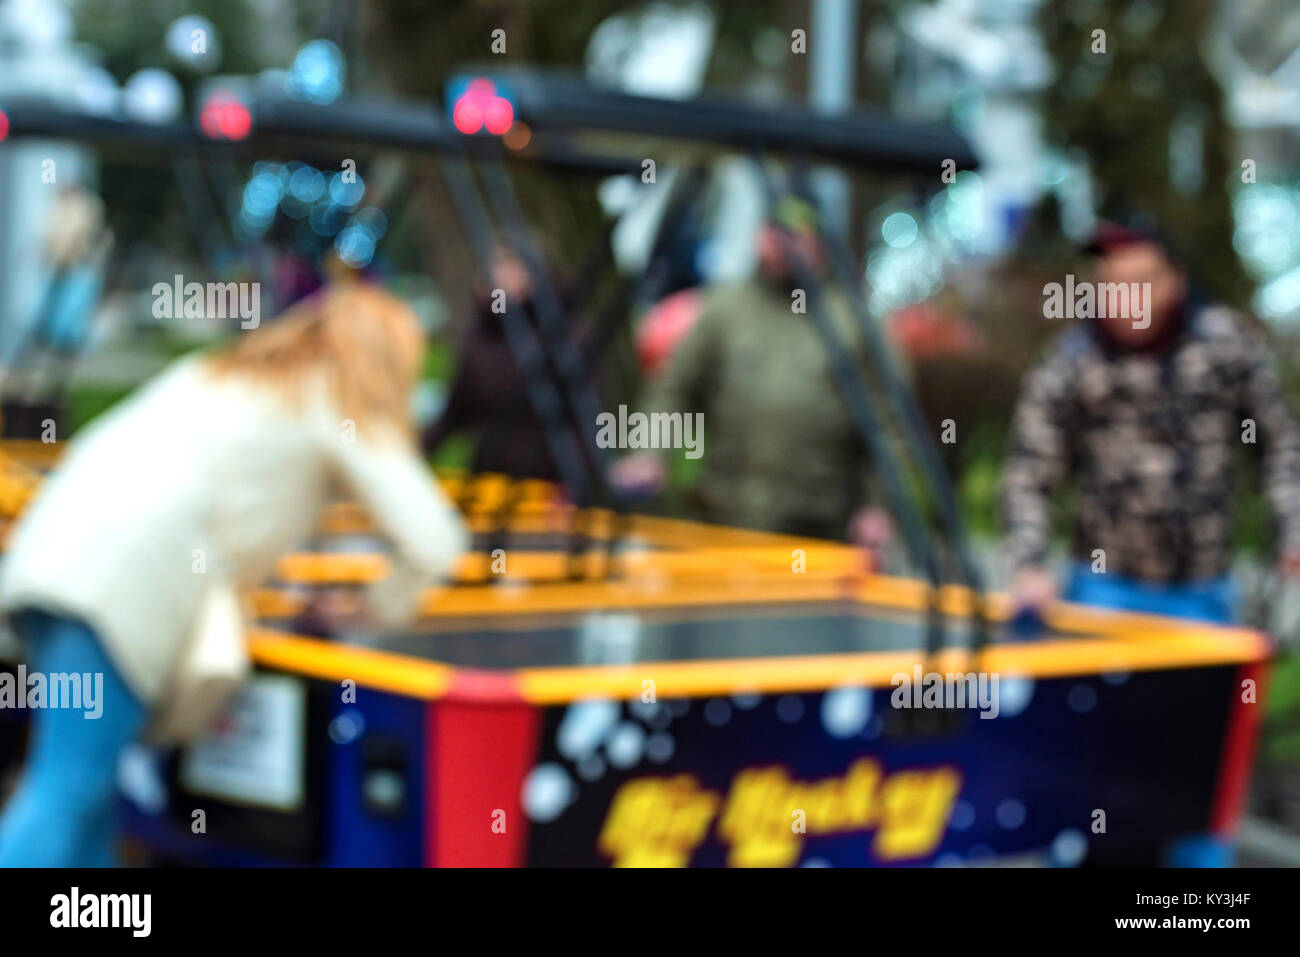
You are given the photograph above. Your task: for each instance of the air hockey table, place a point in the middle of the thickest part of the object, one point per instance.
(730, 698)
(726, 698)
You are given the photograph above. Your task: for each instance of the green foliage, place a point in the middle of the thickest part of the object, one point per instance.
(1281, 740)
(978, 487)
(87, 402)
(439, 361)
(130, 34)
(454, 454)
(1140, 111)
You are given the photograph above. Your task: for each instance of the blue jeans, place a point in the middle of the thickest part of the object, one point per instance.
(63, 812)
(1211, 600)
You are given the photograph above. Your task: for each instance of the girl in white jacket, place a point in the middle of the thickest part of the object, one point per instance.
(187, 492)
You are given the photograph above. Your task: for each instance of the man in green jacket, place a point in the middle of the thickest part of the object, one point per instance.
(781, 450)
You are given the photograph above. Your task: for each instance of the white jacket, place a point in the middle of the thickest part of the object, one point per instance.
(197, 483)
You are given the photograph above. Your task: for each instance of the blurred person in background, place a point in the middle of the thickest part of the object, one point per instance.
(1148, 423)
(488, 395)
(77, 246)
(129, 563)
(781, 450)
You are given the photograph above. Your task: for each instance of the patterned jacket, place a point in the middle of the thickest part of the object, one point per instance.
(1152, 442)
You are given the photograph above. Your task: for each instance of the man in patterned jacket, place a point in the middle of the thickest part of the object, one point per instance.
(1146, 409)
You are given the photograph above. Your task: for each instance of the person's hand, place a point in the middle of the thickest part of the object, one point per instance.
(341, 609)
(640, 474)
(1033, 588)
(871, 528)
(1288, 566)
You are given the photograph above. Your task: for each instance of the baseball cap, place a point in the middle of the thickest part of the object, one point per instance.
(1110, 234)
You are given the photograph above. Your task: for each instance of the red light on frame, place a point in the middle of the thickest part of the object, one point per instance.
(224, 117)
(480, 108)
(468, 115)
(4, 126)
(498, 116)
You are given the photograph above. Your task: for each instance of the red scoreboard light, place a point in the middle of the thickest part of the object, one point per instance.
(479, 106)
(225, 116)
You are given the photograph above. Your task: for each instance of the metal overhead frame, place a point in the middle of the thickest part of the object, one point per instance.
(564, 104)
(864, 139)
(368, 125)
(40, 117)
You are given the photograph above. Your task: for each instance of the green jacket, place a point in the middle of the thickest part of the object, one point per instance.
(780, 449)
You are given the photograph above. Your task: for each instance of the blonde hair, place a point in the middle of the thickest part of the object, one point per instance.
(366, 345)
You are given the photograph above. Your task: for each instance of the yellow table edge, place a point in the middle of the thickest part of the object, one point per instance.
(1123, 643)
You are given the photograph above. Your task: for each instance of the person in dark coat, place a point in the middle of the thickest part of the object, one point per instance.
(488, 395)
